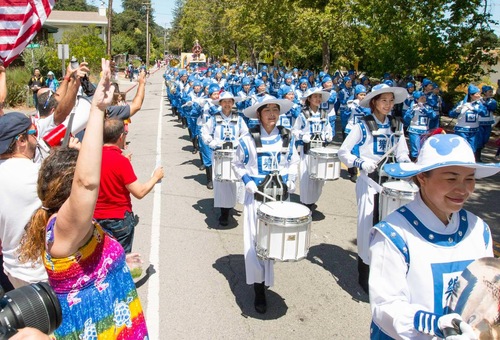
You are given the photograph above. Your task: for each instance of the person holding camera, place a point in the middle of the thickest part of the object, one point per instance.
(86, 267)
(37, 81)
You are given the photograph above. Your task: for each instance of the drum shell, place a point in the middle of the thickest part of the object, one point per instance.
(223, 169)
(395, 194)
(280, 238)
(324, 164)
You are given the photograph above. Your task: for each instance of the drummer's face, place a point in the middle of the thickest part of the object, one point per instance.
(445, 190)
(227, 105)
(269, 115)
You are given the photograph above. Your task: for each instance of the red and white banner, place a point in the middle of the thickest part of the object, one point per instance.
(20, 20)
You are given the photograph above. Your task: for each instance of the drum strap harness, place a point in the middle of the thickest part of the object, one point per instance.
(272, 184)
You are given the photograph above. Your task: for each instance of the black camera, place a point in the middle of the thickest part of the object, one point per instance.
(34, 306)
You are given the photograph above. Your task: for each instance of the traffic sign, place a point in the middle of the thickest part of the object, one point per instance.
(33, 46)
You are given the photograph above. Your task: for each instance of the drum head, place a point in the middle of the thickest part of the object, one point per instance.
(324, 151)
(401, 186)
(284, 209)
(476, 297)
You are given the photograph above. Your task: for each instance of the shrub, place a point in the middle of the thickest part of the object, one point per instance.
(17, 86)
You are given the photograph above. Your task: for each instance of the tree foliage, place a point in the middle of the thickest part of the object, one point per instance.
(449, 40)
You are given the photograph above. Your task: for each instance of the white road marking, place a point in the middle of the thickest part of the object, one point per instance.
(153, 310)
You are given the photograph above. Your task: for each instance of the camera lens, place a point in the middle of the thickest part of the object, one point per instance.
(35, 306)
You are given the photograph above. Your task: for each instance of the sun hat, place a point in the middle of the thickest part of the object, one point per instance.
(11, 125)
(225, 95)
(284, 104)
(313, 90)
(440, 151)
(400, 94)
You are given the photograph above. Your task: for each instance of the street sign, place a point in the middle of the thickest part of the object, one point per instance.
(33, 46)
(62, 51)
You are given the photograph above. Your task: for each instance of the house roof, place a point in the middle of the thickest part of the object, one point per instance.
(75, 17)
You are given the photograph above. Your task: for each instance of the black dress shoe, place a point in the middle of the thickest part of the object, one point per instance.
(210, 185)
(260, 302)
(202, 167)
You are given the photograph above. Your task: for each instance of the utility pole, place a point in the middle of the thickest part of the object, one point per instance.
(110, 14)
(147, 4)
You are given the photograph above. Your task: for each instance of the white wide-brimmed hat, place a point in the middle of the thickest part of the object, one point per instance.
(440, 151)
(400, 94)
(325, 95)
(284, 104)
(226, 95)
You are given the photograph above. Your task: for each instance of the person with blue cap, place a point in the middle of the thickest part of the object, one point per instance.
(246, 93)
(276, 80)
(193, 103)
(345, 94)
(467, 113)
(181, 83)
(410, 87)
(418, 118)
(434, 123)
(314, 127)
(376, 137)
(419, 251)
(295, 76)
(209, 110)
(222, 131)
(486, 122)
(266, 155)
(357, 113)
(329, 105)
(219, 79)
(302, 87)
(287, 119)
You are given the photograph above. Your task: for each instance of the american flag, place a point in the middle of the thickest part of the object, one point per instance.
(20, 20)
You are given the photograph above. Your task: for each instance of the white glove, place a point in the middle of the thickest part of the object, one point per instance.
(306, 138)
(368, 166)
(189, 103)
(213, 144)
(291, 187)
(420, 104)
(251, 187)
(445, 324)
(328, 137)
(404, 159)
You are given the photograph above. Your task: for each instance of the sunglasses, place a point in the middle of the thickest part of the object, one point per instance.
(33, 132)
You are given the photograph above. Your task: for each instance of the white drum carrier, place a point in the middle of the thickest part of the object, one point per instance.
(394, 195)
(283, 231)
(324, 164)
(223, 170)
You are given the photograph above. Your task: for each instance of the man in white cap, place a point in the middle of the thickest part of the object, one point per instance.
(419, 251)
(267, 151)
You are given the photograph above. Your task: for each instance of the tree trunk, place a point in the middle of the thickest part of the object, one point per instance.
(326, 55)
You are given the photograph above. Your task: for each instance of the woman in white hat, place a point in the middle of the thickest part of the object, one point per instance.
(313, 126)
(51, 81)
(266, 150)
(222, 131)
(418, 252)
(364, 148)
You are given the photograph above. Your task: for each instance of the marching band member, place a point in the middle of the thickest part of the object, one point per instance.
(357, 113)
(410, 87)
(486, 122)
(301, 88)
(420, 250)
(222, 130)
(417, 118)
(438, 107)
(313, 125)
(467, 113)
(364, 147)
(193, 108)
(329, 105)
(209, 110)
(287, 120)
(345, 94)
(265, 153)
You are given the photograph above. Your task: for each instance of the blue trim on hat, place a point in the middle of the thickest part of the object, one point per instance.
(394, 169)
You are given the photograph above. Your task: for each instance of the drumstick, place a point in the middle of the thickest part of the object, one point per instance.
(266, 196)
(387, 154)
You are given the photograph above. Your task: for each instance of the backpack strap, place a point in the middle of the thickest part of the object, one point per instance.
(255, 132)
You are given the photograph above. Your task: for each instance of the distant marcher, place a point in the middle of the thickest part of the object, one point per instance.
(51, 82)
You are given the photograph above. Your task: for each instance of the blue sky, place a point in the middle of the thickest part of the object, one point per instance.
(163, 11)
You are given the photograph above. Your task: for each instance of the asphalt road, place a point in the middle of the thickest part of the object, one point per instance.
(195, 284)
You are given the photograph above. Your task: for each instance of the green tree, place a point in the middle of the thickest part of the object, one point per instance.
(74, 5)
(85, 44)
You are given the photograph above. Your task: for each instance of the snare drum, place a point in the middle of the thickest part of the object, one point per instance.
(394, 195)
(223, 170)
(283, 231)
(324, 164)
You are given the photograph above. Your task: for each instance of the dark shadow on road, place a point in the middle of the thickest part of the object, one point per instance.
(233, 269)
(200, 178)
(149, 271)
(342, 265)
(206, 207)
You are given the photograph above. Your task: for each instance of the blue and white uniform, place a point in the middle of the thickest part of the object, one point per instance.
(415, 262)
(418, 118)
(467, 126)
(253, 164)
(221, 129)
(370, 146)
(486, 122)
